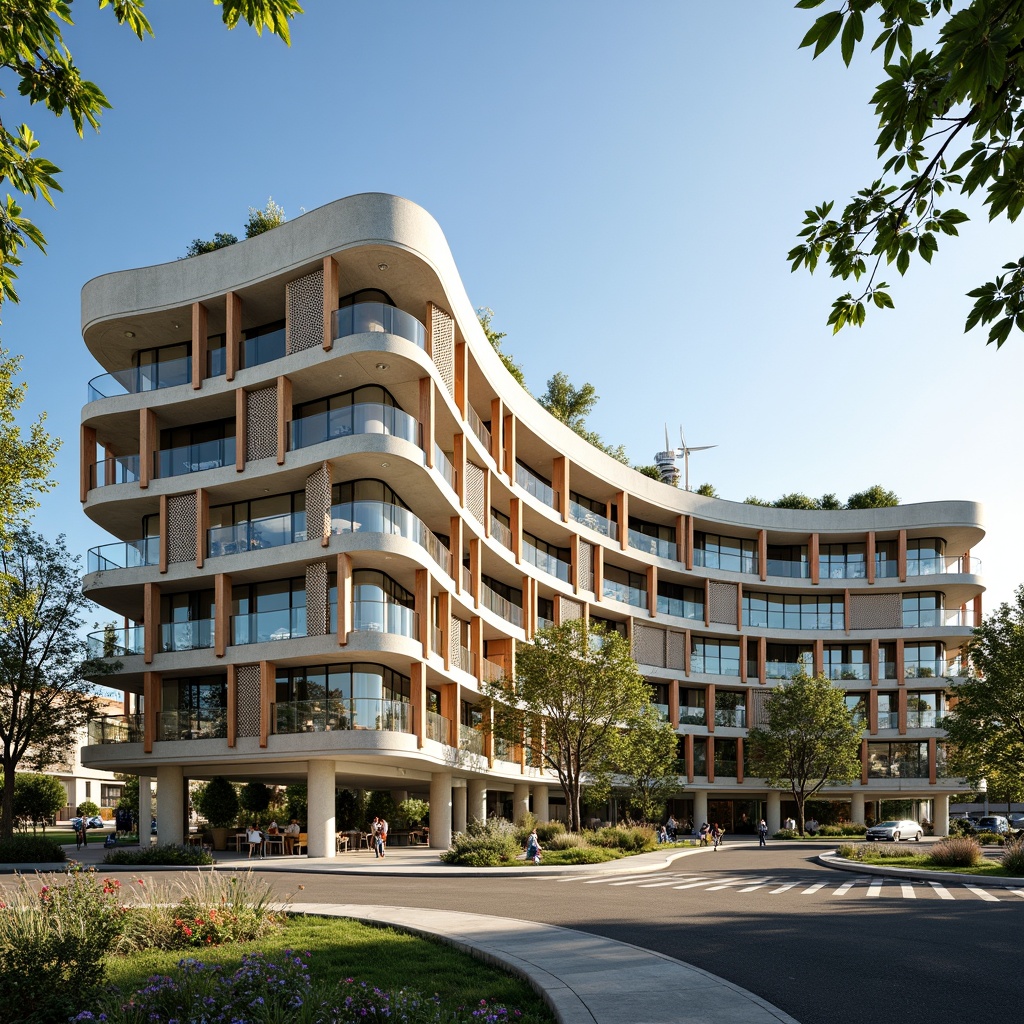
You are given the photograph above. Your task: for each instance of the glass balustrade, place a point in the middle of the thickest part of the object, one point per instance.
(467, 580)
(543, 623)
(503, 749)
(116, 729)
(501, 533)
(887, 670)
(593, 521)
(137, 379)
(546, 562)
(382, 517)
(259, 627)
(727, 561)
(680, 608)
(365, 418)
(725, 769)
(444, 466)
(842, 570)
(848, 671)
(690, 715)
(533, 485)
(193, 724)
(491, 671)
(127, 555)
(888, 720)
(467, 661)
(786, 669)
(437, 727)
(787, 569)
(926, 719)
(476, 425)
(340, 714)
(193, 635)
(256, 534)
(194, 458)
(377, 318)
(383, 616)
(124, 469)
(930, 669)
(731, 718)
(624, 593)
(470, 739)
(886, 568)
(116, 642)
(652, 545)
(956, 617)
(501, 606)
(662, 710)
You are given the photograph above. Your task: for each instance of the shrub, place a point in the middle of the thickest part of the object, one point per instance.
(786, 833)
(546, 833)
(23, 849)
(846, 828)
(630, 838)
(849, 851)
(412, 813)
(88, 809)
(524, 827)
(1013, 856)
(218, 802)
(955, 852)
(989, 838)
(960, 827)
(896, 850)
(171, 853)
(565, 841)
(484, 844)
(584, 855)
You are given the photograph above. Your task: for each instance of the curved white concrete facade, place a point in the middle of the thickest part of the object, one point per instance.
(348, 500)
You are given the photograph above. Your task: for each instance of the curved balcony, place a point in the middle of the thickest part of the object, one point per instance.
(192, 724)
(500, 606)
(851, 670)
(116, 729)
(537, 488)
(377, 317)
(138, 379)
(471, 739)
(114, 642)
(657, 546)
(256, 534)
(194, 458)
(365, 418)
(261, 627)
(615, 591)
(383, 517)
(593, 521)
(123, 469)
(436, 727)
(546, 562)
(127, 555)
(384, 616)
(333, 714)
(192, 635)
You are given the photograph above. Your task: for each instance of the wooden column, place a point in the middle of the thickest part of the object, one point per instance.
(86, 461)
(232, 698)
(497, 424)
(739, 759)
(652, 591)
(762, 554)
(202, 523)
(475, 566)
(515, 525)
(710, 759)
(874, 661)
(681, 539)
(241, 429)
(461, 376)
(901, 556)
(476, 644)
(709, 707)
(149, 442)
(743, 659)
(232, 333)
(509, 454)
(819, 656)
(268, 673)
(900, 668)
(933, 751)
(330, 299)
(418, 700)
(689, 542)
(762, 659)
(812, 557)
(221, 614)
(673, 703)
(444, 615)
(598, 573)
(873, 712)
(151, 695)
(622, 500)
(284, 416)
(150, 620)
(455, 540)
(450, 710)
(343, 573)
(869, 555)
(901, 709)
(421, 601)
(560, 485)
(427, 420)
(688, 755)
(863, 762)
(199, 332)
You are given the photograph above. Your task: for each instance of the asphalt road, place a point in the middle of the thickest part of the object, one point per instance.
(824, 945)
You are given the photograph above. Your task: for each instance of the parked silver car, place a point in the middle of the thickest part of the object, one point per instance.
(894, 831)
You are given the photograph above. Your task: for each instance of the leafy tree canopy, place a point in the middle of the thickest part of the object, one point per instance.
(986, 725)
(707, 491)
(874, 497)
(199, 246)
(651, 471)
(950, 119)
(485, 315)
(809, 740)
(34, 46)
(646, 756)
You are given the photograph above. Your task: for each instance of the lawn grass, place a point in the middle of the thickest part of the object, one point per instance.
(988, 868)
(342, 948)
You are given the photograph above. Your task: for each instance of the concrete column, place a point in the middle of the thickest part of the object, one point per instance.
(700, 807)
(773, 814)
(398, 795)
(145, 808)
(170, 803)
(857, 809)
(941, 812)
(459, 809)
(477, 803)
(541, 810)
(440, 810)
(520, 801)
(320, 794)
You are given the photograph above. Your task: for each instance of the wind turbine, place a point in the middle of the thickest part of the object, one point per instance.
(685, 452)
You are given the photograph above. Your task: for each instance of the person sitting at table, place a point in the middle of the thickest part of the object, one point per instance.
(273, 830)
(254, 837)
(291, 834)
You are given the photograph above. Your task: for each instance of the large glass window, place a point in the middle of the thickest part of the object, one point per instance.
(261, 523)
(886, 559)
(164, 367)
(692, 705)
(364, 410)
(549, 558)
(925, 708)
(857, 705)
(715, 657)
(193, 448)
(625, 586)
(898, 760)
(682, 601)
(784, 661)
(263, 344)
(186, 621)
(888, 711)
(733, 554)
(924, 608)
(194, 708)
(794, 611)
(925, 556)
(340, 682)
(923, 661)
(381, 605)
(842, 561)
(275, 610)
(847, 661)
(788, 560)
(730, 709)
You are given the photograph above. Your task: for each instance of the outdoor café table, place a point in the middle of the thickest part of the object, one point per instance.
(194, 839)
(273, 844)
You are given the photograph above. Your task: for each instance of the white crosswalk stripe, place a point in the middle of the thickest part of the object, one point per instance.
(608, 878)
(1018, 892)
(673, 881)
(847, 886)
(875, 888)
(691, 885)
(908, 891)
(987, 896)
(813, 889)
(783, 888)
(758, 883)
(941, 891)
(724, 884)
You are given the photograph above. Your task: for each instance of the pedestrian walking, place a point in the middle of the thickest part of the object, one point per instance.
(762, 832)
(705, 831)
(717, 834)
(533, 847)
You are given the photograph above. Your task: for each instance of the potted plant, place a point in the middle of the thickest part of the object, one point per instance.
(218, 803)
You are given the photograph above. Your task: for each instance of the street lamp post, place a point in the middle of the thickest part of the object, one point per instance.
(983, 790)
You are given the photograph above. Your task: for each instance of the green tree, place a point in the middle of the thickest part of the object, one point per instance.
(271, 216)
(485, 315)
(129, 801)
(34, 46)
(579, 683)
(651, 471)
(200, 246)
(572, 405)
(45, 693)
(218, 802)
(949, 118)
(986, 724)
(707, 491)
(255, 798)
(809, 740)
(874, 497)
(88, 809)
(646, 755)
(38, 798)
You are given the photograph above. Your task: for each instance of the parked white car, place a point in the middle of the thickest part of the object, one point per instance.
(894, 831)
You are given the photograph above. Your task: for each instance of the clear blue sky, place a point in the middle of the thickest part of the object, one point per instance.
(620, 183)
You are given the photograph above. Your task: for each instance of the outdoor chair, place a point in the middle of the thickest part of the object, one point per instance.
(301, 843)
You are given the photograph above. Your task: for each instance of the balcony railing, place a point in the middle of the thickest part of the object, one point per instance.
(382, 517)
(365, 418)
(137, 379)
(501, 533)
(652, 545)
(437, 727)
(504, 750)
(714, 666)
(887, 670)
(533, 485)
(786, 669)
(127, 555)
(662, 710)
(500, 606)
(116, 729)
(467, 661)
(334, 714)
(471, 739)
(924, 669)
(547, 562)
(593, 521)
(194, 635)
(467, 580)
(841, 569)
(728, 561)
(691, 715)
(385, 616)
(256, 534)
(543, 623)
(202, 724)
(888, 720)
(194, 458)
(788, 568)
(374, 318)
(934, 564)
(681, 609)
(116, 642)
(491, 671)
(856, 670)
(478, 428)
(444, 466)
(926, 719)
(260, 627)
(731, 718)
(624, 593)
(124, 469)
(725, 768)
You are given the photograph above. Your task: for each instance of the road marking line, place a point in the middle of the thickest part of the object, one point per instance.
(691, 885)
(941, 891)
(813, 889)
(605, 878)
(783, 888)
(875, 888)
(1018, 892)
(677, 878)
(761, 882)
(725, 884)
(908, 891)
(981, 892)
(632, 881)
(847, 886)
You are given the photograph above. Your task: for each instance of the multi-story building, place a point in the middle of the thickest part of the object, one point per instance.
(337, 514)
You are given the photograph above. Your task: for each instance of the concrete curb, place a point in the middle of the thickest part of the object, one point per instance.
(584, 978)
(833, 860)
